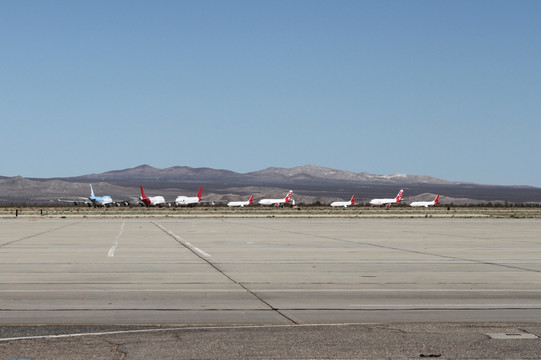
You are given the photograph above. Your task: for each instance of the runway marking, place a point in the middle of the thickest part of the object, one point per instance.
(400, 290)
(121, 291)
(512, 336)
(442, 306)
(111, 252)
(273, 290)
(186, 328)
(196, 249)
(182, 242)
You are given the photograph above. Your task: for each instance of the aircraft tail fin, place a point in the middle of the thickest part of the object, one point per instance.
(250, 202)
(91, 191)
(143, 193)
(353, 200)
(436, 200)
(200, 192)
(399, 196)
(288, 196)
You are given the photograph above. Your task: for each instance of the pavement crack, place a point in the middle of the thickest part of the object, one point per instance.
(38, 234)
(122, 354)
(402, 249)
(217, 268)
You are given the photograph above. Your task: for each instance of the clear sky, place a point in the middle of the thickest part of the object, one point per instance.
(449, 89)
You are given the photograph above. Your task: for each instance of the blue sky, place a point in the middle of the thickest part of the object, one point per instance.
(449, 89)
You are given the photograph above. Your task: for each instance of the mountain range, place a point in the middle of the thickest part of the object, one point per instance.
(311, 184)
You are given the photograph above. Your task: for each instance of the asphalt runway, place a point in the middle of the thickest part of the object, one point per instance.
(81, 275)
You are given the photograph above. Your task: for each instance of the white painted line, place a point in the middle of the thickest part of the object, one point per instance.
(87, 334)
(122, 291)
(512, 336)
(181, 240)
(263, 290)
(200, 251)
(444, 306)
(111, 252)
(186, 328)
(401, 291)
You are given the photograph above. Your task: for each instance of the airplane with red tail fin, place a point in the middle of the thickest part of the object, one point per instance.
(426, 203)
(241, 203)
(151, 200)
(388, 202)
(189, 200)
(344, 203)
(279, 202)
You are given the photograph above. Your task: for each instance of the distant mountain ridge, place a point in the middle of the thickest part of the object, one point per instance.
(265, 176)
(171, 174)
(318, 172)
(311, 183)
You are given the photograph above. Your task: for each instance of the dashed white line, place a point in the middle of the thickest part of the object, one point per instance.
(111, 252)
(182, 241)
(200, 251)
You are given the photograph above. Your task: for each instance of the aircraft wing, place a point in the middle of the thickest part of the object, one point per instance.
(77, 201)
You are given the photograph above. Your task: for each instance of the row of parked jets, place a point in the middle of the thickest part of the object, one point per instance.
(389, 202)
(106, 200)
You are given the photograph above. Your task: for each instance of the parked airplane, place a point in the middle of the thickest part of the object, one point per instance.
(93, 200)
(105, 200)
(426, 203)
(388, 202)
(241, 203)
(344, 203)
(151, 201)
(278, 202)
(189, 201)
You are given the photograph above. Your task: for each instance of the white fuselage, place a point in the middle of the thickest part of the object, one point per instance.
(241, 203)
(379, 202)
(388, 202)
(238, 203)
(278, 202)
(344, 203)
(426, 203)
(422, 203)
(341, 203)
(155, 200)
(272, 201)
(186, 200)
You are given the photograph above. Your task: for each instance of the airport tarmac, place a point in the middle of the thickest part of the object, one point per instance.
(287, 275)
